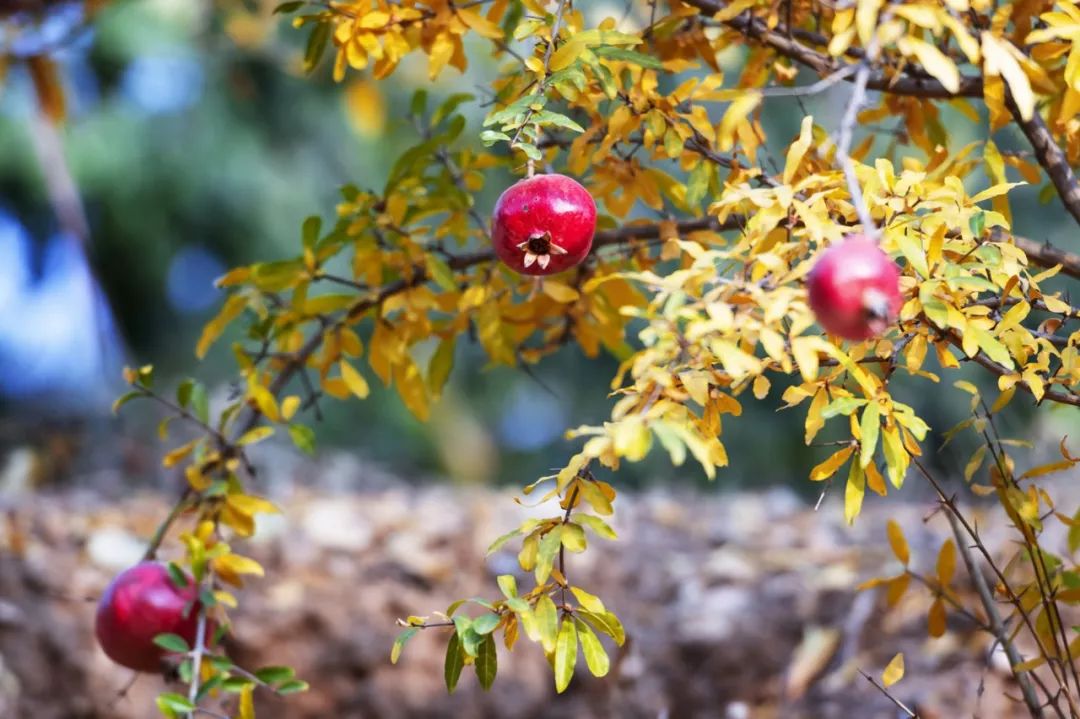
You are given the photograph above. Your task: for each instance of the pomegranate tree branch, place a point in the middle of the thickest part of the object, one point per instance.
(196, 658)
(912, 80)
(986, 598)
(1050, 156)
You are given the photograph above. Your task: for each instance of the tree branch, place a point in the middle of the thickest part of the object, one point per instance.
(1050, 156)
(913, 80)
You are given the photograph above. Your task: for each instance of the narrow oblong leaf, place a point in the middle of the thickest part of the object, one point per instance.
(455, 661)
(487, 663)
(596, 657)
(566, 651)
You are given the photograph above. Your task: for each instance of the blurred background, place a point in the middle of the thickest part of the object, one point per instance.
(193, 143)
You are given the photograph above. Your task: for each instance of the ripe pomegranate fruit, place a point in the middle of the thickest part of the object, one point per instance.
(854, 289)
(543, 225)
(139, 604)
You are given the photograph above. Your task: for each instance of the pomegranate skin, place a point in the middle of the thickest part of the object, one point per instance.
(139, 604)
(543, 225)
(854, 289)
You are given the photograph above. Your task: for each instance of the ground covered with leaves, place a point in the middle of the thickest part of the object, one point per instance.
(735, 605)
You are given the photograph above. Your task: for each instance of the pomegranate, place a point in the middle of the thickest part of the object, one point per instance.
(139, 604)
(854, 289)
(543, 225)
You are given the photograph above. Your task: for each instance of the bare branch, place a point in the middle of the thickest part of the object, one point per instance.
(899, 704)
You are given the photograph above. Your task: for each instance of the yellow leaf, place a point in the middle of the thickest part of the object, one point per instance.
(999, 58)
(442, 50)
(565, 56)
(866, 17)
(935, 621)
(289, 406)
(560, 292)
(898, 542)
(1030, 664)
(354, 380)
(874, 480)
(829, 467)
(805, 351)
(365, 108)
(933, 61)
(854, 492)
(1047, 469)
(251, 505)
(895, 589)
(480, 24)
(798, 149)
(411, 389)
(176, 456)
(230, 567)
(736, 114)
(257, 434)
(213, 329)
(894, 671)
(246, 709)
(946, 563)
(814, 419)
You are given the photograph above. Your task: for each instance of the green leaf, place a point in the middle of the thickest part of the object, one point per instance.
(503, 540)
(170, 702)
(439, 271)
(545, 557)
(293, 686)
(303, 437)
(597, 525)
(486, 623)
(183, 392)
(418, 103)
(531, 151)
(518, 107)
(607, 623)
(698, 183)
(590, 602)
(978, 223)
(449, 105)
(124, 399)
(621, 54)
(842, 405)
(309, 233)
(274, 675)
(288, 7)
(172, 643)
(316, 45)
(399, 643)
(547, 621)
(508, 585)
(565, 655)
(869, 429)
(573, 537)
(487, 663)
(177, 575)
(490, 137)
(546, 118)
(913, 252)
(595, 656)
(200, 403)
(455, 660)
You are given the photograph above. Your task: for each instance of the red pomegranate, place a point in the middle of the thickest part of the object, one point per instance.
(854, 289)
(139, 604)
(543, 225)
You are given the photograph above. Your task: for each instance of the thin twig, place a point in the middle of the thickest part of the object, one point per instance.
(899, 704)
